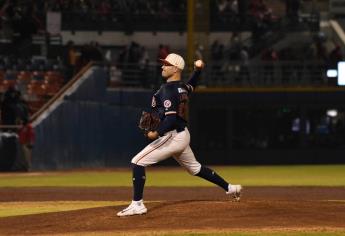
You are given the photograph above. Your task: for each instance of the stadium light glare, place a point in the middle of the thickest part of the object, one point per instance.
(332, 113)
(341, 73)
(332, 73)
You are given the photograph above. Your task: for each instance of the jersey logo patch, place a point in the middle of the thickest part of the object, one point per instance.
(181, 90)
(153, 103)
(167, 104)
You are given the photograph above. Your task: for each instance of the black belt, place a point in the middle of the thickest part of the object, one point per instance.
(180, 129)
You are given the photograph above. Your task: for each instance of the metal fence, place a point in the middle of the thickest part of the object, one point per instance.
(231, 73)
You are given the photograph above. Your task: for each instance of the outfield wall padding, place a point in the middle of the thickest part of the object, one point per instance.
(94, 126)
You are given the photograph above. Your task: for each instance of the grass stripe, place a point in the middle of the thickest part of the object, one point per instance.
(304, 175)
(28, 208)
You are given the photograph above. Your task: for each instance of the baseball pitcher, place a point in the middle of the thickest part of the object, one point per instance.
(170, 134)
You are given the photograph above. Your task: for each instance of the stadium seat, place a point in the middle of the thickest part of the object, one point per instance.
(35, 85)
(6, 84)
(53, 77)
(24, 76)
(2, 75)
(50, 89)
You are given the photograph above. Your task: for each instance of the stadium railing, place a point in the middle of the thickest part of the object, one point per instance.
(231, 73)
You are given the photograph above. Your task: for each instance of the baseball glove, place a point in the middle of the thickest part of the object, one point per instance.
(148, 122)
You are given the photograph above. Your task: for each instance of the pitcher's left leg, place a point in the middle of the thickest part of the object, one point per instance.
(189, 162)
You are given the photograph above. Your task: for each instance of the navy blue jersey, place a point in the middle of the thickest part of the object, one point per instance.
(170, 102)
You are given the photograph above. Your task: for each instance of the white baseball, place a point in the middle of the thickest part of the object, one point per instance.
(198, 63)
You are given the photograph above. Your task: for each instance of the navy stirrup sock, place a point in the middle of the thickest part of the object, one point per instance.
(213, 177)
(138, 181)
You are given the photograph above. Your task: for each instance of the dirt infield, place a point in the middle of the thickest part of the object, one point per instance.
(178, 209)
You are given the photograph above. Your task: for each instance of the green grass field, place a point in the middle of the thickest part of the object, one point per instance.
(28, 208)
(301, 175)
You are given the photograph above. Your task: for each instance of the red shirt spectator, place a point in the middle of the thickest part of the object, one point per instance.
(26, 135)
(335, 56)
(104, 9)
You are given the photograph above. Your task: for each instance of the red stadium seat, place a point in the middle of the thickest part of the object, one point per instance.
(35, 87)
(50, 88)
(24, 76)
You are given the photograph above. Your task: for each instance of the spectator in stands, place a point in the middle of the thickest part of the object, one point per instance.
(122, 58)
(23, 111)
(109, 56)
(217, 55)
(199, 52)
(163, 51)
(115, 75)
(71, 58)
(321, 51)
(90, 52)
(244, 67)
(134, 53)
(5, 24)
(95, 52)
(14, 109)
(104, 10)
(234, 42)
(217, 51)
(144, 57)
(263, 17)
(26, 139)
(335, 56)
(257, 8)
(242, 10)
(269, 18)
(132, 68)
(54, 5)
(269, 57)
(292, 9)
(223, 5)
(234, 7)
(9, 106)
(144, 61)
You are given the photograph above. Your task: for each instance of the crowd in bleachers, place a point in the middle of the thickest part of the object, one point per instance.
(28, 17)
(134, 60)
(22, 17)
(134, 64)
(36, 79)
(94, 15)
(235, 60)
(42, 76)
